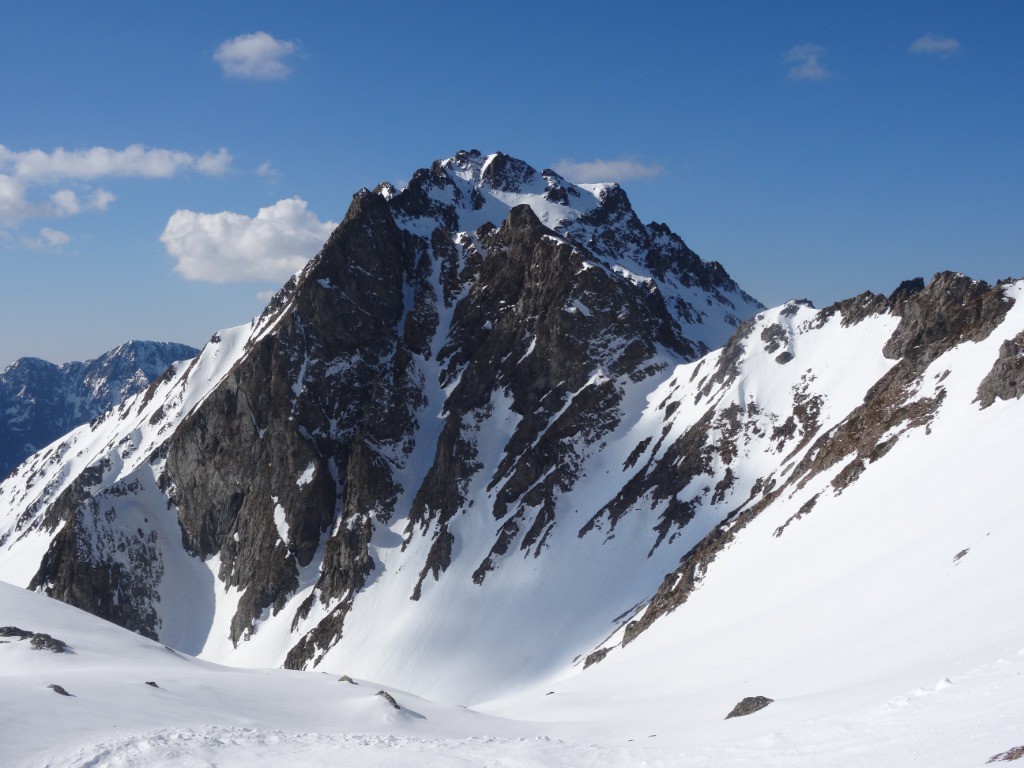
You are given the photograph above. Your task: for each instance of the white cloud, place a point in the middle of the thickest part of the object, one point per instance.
(266, 296)
(19, 171)
(54, 236)
(932, 43)
(232, 247)
(805, 62)
(37, 166)
(67, 203)
(267, 171)
(257, 56)
(606, 170)
(13, 206)
(49, 239)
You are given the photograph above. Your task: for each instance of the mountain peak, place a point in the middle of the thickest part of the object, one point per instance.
(460, 350)
(470, 190)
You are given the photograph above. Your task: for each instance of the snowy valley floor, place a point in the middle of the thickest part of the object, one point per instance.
(202, 714)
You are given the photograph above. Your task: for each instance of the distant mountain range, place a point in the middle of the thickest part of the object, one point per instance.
(40, 401)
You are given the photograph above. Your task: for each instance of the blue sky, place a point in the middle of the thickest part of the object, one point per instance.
(815, 149)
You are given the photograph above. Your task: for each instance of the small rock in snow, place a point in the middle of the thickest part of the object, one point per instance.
(749, 705)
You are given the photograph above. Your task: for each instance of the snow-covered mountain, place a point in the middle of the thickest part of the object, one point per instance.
(41, 401)
(479, 449)
(411, 424)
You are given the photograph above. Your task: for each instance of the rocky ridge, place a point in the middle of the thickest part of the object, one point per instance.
(41, 401)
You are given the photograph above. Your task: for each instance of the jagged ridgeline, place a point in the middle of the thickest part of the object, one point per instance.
(465, 445)
(41, 401)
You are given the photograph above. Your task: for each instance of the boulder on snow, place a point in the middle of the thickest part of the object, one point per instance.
(749, 705)
(58, 689)
(389, 698)
(1011, 754)
(39, 641)
(347, 679)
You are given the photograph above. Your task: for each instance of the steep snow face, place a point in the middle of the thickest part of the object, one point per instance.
(40, 401)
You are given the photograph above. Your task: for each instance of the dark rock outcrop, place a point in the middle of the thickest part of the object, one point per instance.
(1006, 379)
(749, 706)
(1009, 755)
(40, 641)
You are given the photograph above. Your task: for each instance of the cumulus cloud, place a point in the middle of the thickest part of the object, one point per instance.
(805, 62)
(19, 171)
(54, 236)
(257, 56)
(232, 247)
(49, 239)
(13, 205)
(934, 44)
(66, 202)
(37, 166)
(267, 171)
(606, 170)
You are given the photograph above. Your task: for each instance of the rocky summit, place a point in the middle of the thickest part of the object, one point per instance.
(495, 429)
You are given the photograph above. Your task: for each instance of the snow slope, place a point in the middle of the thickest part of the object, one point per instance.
(886, 624)
(200, 714)
(879, 645)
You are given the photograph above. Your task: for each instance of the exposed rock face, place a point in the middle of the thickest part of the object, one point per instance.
(40, 641)
(1008, 756)
(749, 706)
(40, 401)
(1006, 379)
